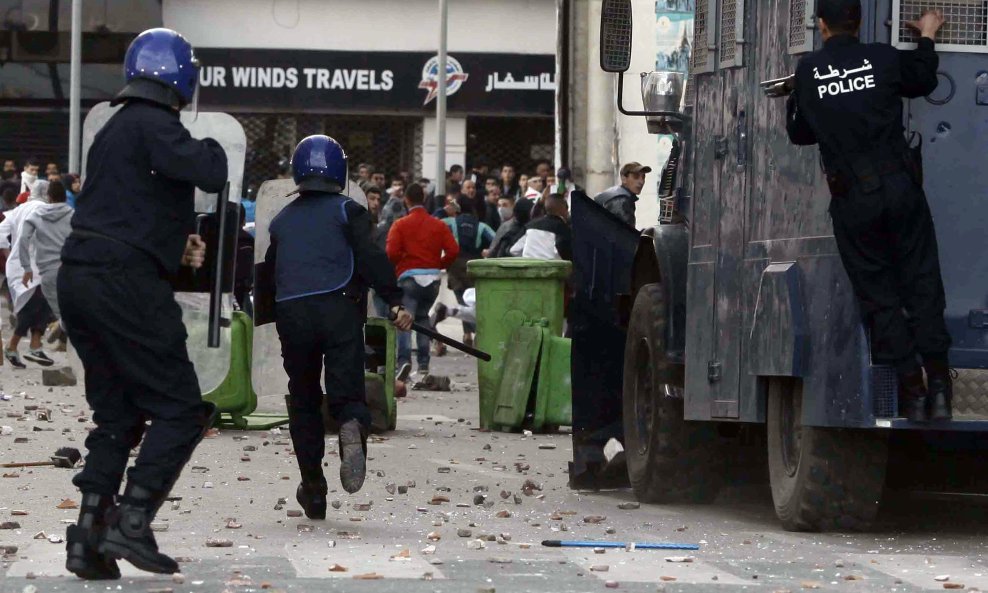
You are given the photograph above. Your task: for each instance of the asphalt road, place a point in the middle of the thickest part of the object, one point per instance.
(434, 537)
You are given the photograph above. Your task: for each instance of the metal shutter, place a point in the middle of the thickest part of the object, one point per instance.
(731, 33)
(966, 29)
(704, 37)
(802, 22)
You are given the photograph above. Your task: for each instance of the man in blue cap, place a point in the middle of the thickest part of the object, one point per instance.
(131, 232)
(848, 99)
(320, 261)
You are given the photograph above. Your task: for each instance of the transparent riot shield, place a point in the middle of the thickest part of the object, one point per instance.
(212, 364)
(267, 373)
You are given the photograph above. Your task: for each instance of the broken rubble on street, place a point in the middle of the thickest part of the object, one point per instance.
(463, 513)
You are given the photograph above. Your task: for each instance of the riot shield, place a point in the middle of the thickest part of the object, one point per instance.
(212, 364)
(267, 373)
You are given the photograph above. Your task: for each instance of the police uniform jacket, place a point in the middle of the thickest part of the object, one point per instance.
(141, 175)
(848, 98)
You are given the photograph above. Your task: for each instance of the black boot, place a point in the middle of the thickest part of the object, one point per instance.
(353, 455)
(941, 398)
(311, 494)
(128, 535)
(82, 541)
(912, 396)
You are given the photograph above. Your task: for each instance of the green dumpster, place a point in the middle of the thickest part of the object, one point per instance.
(511, 291)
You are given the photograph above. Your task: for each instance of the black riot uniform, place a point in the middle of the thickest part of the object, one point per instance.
(130, 228)
(316, 270)
(848, 99)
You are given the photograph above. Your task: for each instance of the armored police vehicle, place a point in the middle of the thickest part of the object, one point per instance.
(736, 310)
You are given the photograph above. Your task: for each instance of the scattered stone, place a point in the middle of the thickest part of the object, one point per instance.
(402, 489)
(953, 586)
(6, 430)
(159, 526)
(942, 578)
(600, 568)
(810, 585)
(486, 590)
(629, 506)
(478, 499)
(390, 487)
(612, 584)
(667, 579)
(428, 550)
(362, 506)
(503, 514)
(464, 533)
(337, 568)
(232, 524)
(610, 531)
(434, 536)
(599, 551)
(370, 576)
(594, 519)
(476, 544)
(294, 513)
(219, 543)
(67, 504)
(681, 559)
(438, 499)
(18, 513)
(444, 470)
(60, 377)
(55, 539)
(547, 446)
(517, 499)
(337, 504)
(500, 560)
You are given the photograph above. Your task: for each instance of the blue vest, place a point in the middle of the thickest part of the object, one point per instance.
(313, 254)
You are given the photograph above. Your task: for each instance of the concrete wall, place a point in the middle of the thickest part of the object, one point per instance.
(507, 26)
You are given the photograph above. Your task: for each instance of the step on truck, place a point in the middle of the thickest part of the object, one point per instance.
(735, 310)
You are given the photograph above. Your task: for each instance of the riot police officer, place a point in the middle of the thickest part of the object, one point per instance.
(848, 99)
(320, 260)
(131, 234)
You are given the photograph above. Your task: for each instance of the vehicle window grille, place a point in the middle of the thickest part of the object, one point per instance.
(703, 53)
(965, 30)
(801, 25)
(731, 33)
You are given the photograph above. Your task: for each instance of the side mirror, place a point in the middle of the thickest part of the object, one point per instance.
(664, 92)
(615, 35)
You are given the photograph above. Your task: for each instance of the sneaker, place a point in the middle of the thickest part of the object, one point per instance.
(39, 357)
(55, 332)
(439, 315)
(14, 359)
(403, 372)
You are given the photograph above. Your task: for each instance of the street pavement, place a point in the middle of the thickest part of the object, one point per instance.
(417, 526)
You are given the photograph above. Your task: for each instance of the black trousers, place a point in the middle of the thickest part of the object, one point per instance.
(318, 330)
(888, 245)
(34, 316)
(122, 318)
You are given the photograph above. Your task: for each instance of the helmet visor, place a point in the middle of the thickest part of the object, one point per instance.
(192, 107)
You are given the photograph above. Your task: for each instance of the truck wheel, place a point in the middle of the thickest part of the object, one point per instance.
(669, 459)
(823, 479)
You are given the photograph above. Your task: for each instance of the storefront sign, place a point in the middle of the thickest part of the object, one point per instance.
(297, 80)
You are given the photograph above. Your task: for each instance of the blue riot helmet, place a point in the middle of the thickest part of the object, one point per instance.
(161, 66)
(319, 164)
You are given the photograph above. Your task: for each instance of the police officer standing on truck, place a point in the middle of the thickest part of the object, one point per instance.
(316, 269)
(131, 232)
(848, 99)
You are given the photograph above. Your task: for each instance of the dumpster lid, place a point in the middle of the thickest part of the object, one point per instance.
(519, 267)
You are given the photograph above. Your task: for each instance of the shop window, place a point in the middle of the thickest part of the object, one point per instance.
(521, 141)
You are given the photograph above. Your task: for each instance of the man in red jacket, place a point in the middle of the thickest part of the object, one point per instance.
(420, 246)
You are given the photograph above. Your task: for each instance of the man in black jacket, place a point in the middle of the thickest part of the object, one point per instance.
(848, 99)
(132, 231)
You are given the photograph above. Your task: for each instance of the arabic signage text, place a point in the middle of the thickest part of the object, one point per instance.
(397, 82)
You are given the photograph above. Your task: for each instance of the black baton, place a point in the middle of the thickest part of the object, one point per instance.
(451, 342)
(216, 291)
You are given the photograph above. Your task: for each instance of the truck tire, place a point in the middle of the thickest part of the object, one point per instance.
(823, 479)
(669, 459)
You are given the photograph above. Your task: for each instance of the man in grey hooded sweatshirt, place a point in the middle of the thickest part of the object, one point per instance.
(47, 228)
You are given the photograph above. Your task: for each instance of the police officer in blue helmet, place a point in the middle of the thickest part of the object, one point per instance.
(131, 236)
(319, 263)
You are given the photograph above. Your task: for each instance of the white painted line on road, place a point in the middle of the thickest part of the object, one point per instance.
(650, 567)
(312, 560)
(45, 559)
(920, 569)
